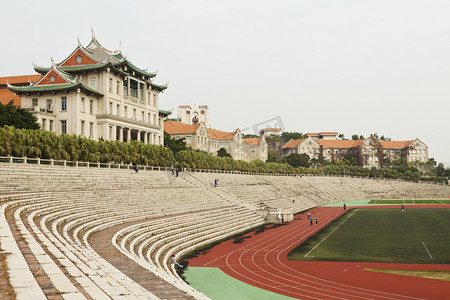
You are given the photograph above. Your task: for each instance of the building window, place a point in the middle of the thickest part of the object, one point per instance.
(43, 124)
(134, 113)
(64, 103)
(82, 127)
(343, 151)
(50, 125)
(79, 59)
(125, 88)
(149, 117)
(143, 114)
(110, 85)
(188, 140)
(117, 87)
(94, 82)
(34, 102)
(91, 129)
(52, 78)
(64, 127)
(125, 111)
(110, 132)
(82, 104)
(111, 108)
(91, 106)
(49, 104)
(118, 110)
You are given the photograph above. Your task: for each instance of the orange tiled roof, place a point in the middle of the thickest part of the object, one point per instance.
(329, 133)
(172, 127)
(322, 133)
(293, 143)
(252, 141)
(7, 95)
(339, 143)
(395, 144)
(220, 135)
(19, 79)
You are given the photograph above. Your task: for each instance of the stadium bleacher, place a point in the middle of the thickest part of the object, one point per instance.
(52, 218)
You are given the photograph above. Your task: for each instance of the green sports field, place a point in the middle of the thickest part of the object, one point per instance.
(411, 201)
(382, 235)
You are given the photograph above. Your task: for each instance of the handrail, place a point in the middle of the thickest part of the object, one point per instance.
(53, 162)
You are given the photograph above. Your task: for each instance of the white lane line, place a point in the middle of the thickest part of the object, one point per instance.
(427, 250)
(329, 234)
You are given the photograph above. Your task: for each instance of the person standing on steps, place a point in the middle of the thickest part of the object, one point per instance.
(345, 206)
(309, 215)
(174, 262)
(403, 207)
(317, 220)
(311, 220)
(177, 170)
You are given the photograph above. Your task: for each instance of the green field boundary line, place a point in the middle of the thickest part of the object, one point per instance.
(427, 250)
(329, 234)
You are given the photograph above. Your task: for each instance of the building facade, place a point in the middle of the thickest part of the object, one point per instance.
(198, 136)
(96, 93)
(267, 132)
(367, 152)
(193, 115)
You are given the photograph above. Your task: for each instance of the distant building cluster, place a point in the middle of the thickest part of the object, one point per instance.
(192, 127)
(367, 152)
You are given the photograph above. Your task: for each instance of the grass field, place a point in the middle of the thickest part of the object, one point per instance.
(382, 235)
(409, 201)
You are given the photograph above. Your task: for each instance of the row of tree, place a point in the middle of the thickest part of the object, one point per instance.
(48, 145)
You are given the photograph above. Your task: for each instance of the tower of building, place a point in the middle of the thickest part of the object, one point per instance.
(193, 115)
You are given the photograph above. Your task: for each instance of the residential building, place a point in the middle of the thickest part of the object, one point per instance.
(97, 93)
(196, 136)
(193, 115)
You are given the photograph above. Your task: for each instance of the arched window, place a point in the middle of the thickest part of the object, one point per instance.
(52, 78)
(79, 59)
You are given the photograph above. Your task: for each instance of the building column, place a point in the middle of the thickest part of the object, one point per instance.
(114, 132)
(121, 134)
(152, 138)
(138, 136)
(145, 137)
(129, 134)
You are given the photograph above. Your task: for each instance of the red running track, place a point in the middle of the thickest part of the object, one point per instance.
(261, 260)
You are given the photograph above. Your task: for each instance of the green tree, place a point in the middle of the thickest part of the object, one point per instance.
(286, 136)
(298, 160)
(18, 117)
(223, 153)
(173, 144)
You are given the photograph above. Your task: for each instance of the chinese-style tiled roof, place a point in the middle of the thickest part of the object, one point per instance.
(252, 141)
(159, 87)
(54, 88)
(164, 112)
(395, 144)
(221, 135)
(339, 143)
(19, 79)
(173, 127)
(293, 143)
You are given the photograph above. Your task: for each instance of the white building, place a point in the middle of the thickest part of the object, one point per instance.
(96, 93)
(193, 115)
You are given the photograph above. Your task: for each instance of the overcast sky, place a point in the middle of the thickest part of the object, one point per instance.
(347, 66)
